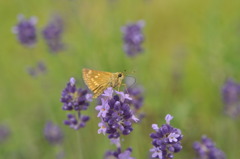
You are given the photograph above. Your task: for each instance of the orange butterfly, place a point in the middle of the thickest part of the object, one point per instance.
(98, 81)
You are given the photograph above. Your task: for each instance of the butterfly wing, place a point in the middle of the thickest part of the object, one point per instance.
(97, 81)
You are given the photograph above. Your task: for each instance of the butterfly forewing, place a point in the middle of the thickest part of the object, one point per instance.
(97, 81)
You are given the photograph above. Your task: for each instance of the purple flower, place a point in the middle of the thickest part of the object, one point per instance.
(78, 100)
(168, 118)
(118, 154)
(156, 152)
(108, 93)
(116, 142)
(206, 149)
(41, 67)
(32, 71)
(38, 70)
(123, 96)
(166, 140)
(52, 33)
(136, 93)
(53, 133)
(73, 98)
(231, 98)
(125, 155)
(133, 38)
(103, 109)
(115, 113)
(26, 31)
(4, 133)
(76, 122)
(102, 129)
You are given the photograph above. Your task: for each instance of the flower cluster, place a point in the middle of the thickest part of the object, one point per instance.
(133, 38)
(166, 140)
(52, 33)
(53, 133)
(231, 98)
(206, 149)
(115, 114)
(118, 154)
(26, 31)
(78, 100)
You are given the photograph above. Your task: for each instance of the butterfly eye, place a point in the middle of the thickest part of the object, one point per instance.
(120, 75)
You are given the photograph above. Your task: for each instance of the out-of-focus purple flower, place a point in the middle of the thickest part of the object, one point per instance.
(231, 98)
(53, 133)
(206, 149)
(26, 31)
(41, 67)
(166, 140)
(32, 71)
(133, 38)
(38, 70)
(4, 133)
(78, 100)
(117, 117)
(125, 155)
(136, 93)
(116, 142)
(52, 33)
(118, 154)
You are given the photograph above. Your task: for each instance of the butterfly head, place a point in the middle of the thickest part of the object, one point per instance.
(118, 76)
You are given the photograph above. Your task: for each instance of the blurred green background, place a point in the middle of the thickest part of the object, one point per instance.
(191, 48)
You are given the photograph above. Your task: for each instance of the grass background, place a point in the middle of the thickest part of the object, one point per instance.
(191, 48)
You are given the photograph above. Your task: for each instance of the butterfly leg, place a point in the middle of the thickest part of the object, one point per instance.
(119, 85)
(125, 86)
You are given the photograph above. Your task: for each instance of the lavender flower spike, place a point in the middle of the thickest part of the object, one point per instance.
(78, 100)
(73, 98)
(133, 38)
(26, 31)
(166, 140)
(115, 113)
(52, 33)
(136, 93)
(231, 98)
(206, 149)
(53, 133)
